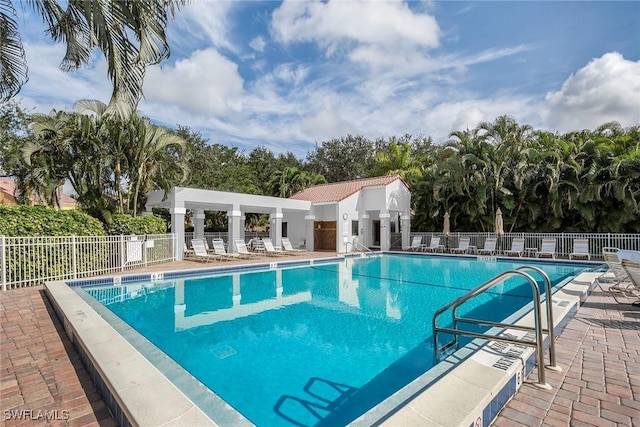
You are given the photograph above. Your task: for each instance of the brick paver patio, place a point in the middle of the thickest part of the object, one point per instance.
(44, 383)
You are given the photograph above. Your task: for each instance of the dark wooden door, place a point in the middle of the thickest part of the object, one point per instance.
(324, 235)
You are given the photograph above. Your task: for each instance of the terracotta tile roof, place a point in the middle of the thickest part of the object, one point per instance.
(8, 186)
(338, 191)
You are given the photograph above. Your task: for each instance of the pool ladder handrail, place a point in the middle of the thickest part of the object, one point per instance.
(356, 242)
(537, 328)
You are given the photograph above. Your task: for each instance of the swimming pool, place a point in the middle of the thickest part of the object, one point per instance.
(314, 345)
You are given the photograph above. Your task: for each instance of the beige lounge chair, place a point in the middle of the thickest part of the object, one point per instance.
(463, 246)
(434, 246)
(200, 251)
(580, 249)
(548, 249)
(416, 244)
(243, 252)
(218, 249)
(270, 250)
(489, 247)
(633, 272)
(517, 247)
(288, 247)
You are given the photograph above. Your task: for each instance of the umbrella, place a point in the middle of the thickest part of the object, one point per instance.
(447, 227)
(499, 227)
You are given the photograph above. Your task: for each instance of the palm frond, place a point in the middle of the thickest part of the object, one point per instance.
(13, 63)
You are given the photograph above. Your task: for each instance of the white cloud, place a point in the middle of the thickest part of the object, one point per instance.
(206, 83)
(51, 88)
(206, 21)
(258, 44)
(606, 89)
(371, 32)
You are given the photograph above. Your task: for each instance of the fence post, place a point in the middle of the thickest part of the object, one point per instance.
(122, 255)
(73, 256)
(144, 249)
(3, 258)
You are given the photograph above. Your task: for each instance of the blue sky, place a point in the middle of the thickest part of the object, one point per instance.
(288, 75)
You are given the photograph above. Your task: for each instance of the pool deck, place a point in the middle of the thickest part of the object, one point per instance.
(43, 381)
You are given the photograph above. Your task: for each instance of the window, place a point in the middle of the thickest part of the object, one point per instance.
(284, 229)
(354, 228)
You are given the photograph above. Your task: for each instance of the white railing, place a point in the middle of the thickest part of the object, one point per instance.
(28, 261)
(564, 241)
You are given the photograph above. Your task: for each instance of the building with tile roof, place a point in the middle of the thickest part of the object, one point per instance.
(341, 217)
(8, 196)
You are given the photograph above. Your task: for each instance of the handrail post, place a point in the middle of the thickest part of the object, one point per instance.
(550, 324)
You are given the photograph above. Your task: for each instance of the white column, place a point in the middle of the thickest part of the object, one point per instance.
(198, 224)
(309, 221)
(234, 226)
(275, 232)
(406, 230)
(385, 231)
(177, 227)
(244, 224)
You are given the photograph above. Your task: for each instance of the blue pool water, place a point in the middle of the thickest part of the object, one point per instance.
(315, 345)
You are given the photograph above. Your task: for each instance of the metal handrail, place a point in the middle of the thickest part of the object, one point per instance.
(538, 344)
(550, 325)
(357, 243)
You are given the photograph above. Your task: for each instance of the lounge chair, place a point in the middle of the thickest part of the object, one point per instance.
(580, 249)
(434, 246)
(200, 251)
(463, 246)
(243, 252)
(548, 249)
(517, 247)
(270, 250)
(218, 249)
(288, 247)
(489, 247)
(633, 271)
(615, 280)
(416, 244)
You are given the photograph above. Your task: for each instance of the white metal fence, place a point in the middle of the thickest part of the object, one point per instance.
(564, 241)
(28, 261)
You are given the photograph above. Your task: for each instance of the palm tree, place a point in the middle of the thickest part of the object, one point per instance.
(130, 35)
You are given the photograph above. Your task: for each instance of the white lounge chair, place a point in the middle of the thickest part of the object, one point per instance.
(548, 249)
(517, 247)
(200, 251)
(416, 244)
(218, 249)
(288, 247)
(580, 249)
(633, 271)
(489, 247)
(434, 246)
(243, 252)
(463, 246)
(271, 250)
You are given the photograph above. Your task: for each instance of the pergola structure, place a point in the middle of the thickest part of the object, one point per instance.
(236, 205)
(327, 217)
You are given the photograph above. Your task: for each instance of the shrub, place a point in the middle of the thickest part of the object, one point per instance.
(127, 224)
(43, 221)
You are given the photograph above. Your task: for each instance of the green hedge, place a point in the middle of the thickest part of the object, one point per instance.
(42, 221)
(127, 224)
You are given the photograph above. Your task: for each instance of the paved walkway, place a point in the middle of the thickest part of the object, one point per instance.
(599, 385)
(43, 382)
